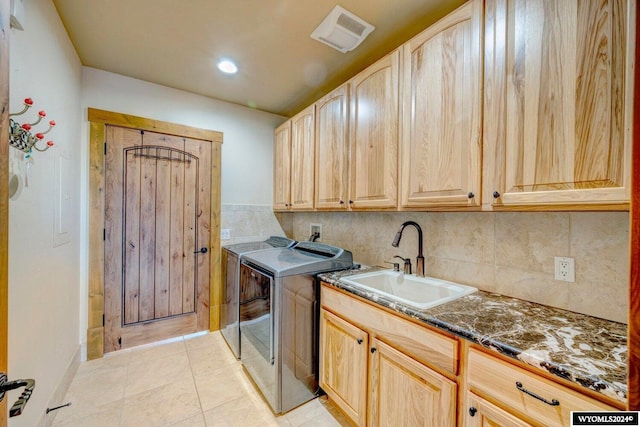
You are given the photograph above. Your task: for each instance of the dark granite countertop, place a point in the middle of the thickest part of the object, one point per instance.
(586, 350)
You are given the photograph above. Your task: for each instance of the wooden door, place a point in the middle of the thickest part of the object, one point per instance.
(374, 135)
(302, 159)
(157, 214)
(406, 393)
(343, 365)
(332, 150)
(441, 139)
(282, 167)
(4, 195)
(481, 413)
(558, 94)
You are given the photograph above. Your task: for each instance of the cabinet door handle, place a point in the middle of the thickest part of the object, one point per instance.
(472, 411)
(373, 350)
(496, 195)
(471, 195)
(552, 402)
(359, 340)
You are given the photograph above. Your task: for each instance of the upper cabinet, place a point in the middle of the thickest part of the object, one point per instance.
(502, 104)
(332, 150)
(282, 167)
(302, 159)
(293, 167)
(440, 151)
(558, 96)
(374, 135)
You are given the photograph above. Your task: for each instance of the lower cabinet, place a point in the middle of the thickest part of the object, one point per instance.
(522, 396)
(483, 413)
(403, 392)
(382, 369)
(343, 365)
(374, 383)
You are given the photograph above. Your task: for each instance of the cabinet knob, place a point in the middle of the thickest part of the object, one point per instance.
(350, 202)
(373, 350)
(359, 340)
(496, 194)
(342, 202)
(472, 411)
(471, 195)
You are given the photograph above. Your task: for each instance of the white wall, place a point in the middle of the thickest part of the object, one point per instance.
(43, 278)
(247, 149)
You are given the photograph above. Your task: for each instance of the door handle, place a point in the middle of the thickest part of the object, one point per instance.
(202, 250)
(19, 405)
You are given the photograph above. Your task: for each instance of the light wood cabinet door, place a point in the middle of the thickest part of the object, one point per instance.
(332, 150)
(481, 413)
(406, 393)
(343, 365)
(374, 135)
(558, 97)
(525, 393)
(441, 139)
(282, 167)
(416, 341)
(302, 159)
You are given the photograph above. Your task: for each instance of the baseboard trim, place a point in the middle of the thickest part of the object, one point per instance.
(61, 389)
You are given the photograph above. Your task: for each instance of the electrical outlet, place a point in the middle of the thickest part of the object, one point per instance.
(315, 232)
(225, 233)
(565, 269)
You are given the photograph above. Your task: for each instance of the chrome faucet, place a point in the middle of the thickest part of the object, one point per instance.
(420, 258)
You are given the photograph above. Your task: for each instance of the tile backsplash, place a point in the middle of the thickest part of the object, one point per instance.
(511, 253)
(506, 252)
(252, 223)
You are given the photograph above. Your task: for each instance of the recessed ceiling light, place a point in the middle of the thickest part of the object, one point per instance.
(227, 66)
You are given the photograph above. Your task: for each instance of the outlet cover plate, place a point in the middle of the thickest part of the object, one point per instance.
(315, 228)
(565, 269)
(225, 233)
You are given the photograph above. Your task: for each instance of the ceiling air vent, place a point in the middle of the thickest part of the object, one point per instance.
(342, 30)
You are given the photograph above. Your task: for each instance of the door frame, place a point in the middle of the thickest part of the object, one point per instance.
(98, 120)
(4, 195)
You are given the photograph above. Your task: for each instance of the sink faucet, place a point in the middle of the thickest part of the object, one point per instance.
(420, 258)
(407, 264)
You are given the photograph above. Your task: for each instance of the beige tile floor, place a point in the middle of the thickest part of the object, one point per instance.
(188, 382)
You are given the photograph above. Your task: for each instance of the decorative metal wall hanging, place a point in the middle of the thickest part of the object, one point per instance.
(20, 135)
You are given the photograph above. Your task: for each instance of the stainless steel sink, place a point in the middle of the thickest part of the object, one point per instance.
(418, 292)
